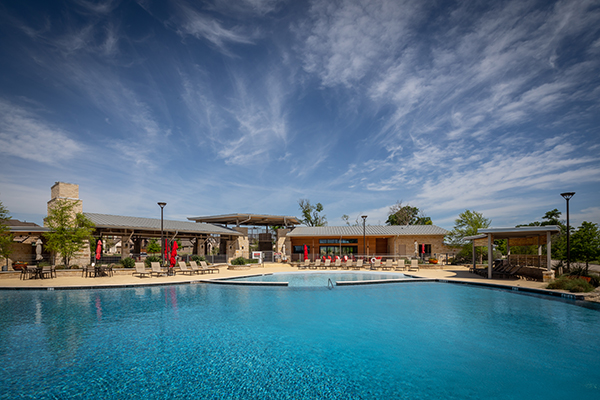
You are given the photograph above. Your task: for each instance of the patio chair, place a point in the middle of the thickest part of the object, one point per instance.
(347, 264)
(414, 265)
(49, 271)
(316, 264)
(388, 266)
(157, 269)
(377, 264)
(206, 268)
(140, 269)
(326, 264)
(304, 265)
(401, 266)
(184, 269)
(108, 269)
(359, 264)
(196, 268)
(88, 270)
(337, 264)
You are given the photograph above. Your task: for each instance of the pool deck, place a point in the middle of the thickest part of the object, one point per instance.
(124, 278)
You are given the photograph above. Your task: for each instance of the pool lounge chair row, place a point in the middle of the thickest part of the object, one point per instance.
(358, 264)
(156, 269)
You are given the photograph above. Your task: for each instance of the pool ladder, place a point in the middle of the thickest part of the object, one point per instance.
(329, 284)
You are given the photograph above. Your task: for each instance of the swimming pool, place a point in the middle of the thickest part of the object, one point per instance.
(320, 278)
(421, 340)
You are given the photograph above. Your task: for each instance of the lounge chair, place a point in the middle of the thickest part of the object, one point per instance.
(388, 265)
(414, 265)
(206, 268)
(196, 268)
(316, 264)
(337, 264)
(157, 269)
(359, 264)
(304, 265)
(326, 264)
(401, 266)
(140, 269)
(184, 269)
(377, 264)
(347, 264)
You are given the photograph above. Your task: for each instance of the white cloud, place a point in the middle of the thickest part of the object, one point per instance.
(24, 134)
(202, 26)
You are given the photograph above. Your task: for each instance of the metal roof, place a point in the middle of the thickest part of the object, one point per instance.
(377, 230)
(16, 226)
(152, 224)
(248, 219)
(521, 231)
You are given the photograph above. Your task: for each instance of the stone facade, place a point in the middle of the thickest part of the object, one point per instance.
(70, 192)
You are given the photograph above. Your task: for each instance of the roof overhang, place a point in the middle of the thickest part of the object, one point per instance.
(248, 219)
(148, 227)
(522, 231)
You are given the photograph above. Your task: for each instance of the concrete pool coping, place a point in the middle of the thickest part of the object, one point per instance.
(448, 274)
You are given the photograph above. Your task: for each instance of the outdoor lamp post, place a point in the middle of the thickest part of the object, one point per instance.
(567, 196)
(162, 240)
(364, 217)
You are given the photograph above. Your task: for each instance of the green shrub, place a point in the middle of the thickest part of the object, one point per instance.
(572, 284)
(197, 258)
(128, 262)
(150, 259)
(238, 261)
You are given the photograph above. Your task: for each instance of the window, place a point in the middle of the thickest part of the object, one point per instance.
(335, 250)
(337, 241)
(300, 249)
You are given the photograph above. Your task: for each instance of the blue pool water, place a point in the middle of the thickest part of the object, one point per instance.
(320, 278)
(408, 340)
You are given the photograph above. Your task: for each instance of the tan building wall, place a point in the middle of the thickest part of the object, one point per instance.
(403, 246)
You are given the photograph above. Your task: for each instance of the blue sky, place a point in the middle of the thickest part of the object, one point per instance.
(233, 106)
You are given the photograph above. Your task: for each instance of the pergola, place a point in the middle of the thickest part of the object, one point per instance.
(248, 219)
(128, 227)
(521, 236)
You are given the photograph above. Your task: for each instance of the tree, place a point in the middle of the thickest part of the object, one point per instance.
(346, 219)
(468, 223)
(69, 232)
(6, 238)
(585, 245)
(153, 247)
(406, 215)
(311, 214)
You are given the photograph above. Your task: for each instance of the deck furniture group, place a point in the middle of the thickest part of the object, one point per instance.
(373, 264)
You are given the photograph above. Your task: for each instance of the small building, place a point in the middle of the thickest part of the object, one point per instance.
(24, 249)
(394, 240)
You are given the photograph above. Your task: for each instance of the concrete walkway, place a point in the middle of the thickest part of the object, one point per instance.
(73, 279)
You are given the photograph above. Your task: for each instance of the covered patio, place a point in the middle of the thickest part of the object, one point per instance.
(521, 236)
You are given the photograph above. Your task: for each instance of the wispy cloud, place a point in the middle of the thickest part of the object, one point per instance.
(189, 21)
(26, 135)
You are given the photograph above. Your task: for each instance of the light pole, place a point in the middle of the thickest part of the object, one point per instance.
(162, 240)
(364, 217)
(567, 196)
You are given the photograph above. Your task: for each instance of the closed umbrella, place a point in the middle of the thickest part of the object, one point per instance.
(38, 250)
(174, 253)
(99, 250)
(305, 252)
(166, 250)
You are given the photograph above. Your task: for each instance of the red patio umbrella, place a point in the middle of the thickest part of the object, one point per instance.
(99, 250)
(305, 252)
(166, 250)
(174, 253)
